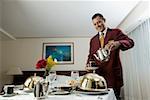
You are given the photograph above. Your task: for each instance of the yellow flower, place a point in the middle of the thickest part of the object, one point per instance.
(50, 62)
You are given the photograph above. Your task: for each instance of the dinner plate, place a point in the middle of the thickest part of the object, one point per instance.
(60, 93)
(92, 92)
(63, 88)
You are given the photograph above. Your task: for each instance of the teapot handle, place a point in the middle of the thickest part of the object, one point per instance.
(96, 56)
(108, 50)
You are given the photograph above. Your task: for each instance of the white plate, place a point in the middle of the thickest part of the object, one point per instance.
(93, 90)
(92, 93)
(28, 90)
(60, 93)
(92, 68)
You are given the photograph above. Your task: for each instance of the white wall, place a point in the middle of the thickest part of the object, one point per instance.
(25, 53)
(139, 13)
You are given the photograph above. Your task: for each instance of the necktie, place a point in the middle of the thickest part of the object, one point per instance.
(102, 40)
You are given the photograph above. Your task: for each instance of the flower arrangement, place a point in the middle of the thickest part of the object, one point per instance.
(47, 64)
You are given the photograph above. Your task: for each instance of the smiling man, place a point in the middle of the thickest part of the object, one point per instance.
(113, 40)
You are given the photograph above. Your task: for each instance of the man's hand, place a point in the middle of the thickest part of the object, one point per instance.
(112, 45)
(86, 68)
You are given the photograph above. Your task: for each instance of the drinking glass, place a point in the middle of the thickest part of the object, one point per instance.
(51, 79)
(75, 74)
(92, 66)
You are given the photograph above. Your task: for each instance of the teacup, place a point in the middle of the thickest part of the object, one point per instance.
(9, 89)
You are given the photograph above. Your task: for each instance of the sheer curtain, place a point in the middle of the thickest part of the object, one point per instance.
(136, 64)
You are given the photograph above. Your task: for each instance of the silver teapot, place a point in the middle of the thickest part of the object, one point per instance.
(41, 89)
(102, 54)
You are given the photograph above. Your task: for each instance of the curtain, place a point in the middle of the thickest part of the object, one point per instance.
(136, 64)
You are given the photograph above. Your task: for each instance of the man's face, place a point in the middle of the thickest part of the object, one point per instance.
(99, 24)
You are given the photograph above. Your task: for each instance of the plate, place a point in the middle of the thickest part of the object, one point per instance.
(9, 95)
(92, 92)
(60, 93)
(28, 90)
(92, 68)
(63, 88)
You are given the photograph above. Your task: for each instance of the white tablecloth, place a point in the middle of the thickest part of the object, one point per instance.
(62, 81)
(30, 96)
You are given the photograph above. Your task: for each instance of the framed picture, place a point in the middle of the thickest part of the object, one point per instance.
(63, 52)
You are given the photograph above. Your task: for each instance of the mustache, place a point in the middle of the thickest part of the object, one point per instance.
(99, 27)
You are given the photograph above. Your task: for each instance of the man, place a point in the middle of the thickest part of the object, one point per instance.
(114, 40)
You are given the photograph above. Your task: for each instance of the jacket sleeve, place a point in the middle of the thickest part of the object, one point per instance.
(125, 41)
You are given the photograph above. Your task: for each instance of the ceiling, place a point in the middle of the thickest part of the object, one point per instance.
(47, 18)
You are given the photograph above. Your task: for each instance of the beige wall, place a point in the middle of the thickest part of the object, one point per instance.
(0, 46)
(24, 53)
(140, 12)
(0, 65)
(0, 13)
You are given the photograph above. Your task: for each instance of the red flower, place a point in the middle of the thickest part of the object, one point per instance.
(47, 64)
(41, 64)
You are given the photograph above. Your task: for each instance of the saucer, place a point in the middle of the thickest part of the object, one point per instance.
(9, 95)
(28, 90)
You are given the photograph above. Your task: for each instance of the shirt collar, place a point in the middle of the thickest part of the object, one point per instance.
(104, 32)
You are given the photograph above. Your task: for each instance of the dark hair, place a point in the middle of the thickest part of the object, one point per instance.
(98, 14)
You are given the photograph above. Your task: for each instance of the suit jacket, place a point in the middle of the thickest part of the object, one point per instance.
(112, 69)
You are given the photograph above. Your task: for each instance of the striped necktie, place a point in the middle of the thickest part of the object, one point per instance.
(102, 40)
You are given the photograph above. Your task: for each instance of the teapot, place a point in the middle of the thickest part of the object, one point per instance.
(102, 54)
(41, 89)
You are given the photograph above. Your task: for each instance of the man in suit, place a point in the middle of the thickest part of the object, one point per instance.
(114, 40)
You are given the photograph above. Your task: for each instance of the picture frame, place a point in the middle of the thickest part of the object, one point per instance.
(62, 51)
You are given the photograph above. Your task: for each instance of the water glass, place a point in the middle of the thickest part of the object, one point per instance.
(75, 74)
(92, 66)
(51, 78)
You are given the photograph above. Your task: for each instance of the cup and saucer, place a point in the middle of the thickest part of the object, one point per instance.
(9, 91)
